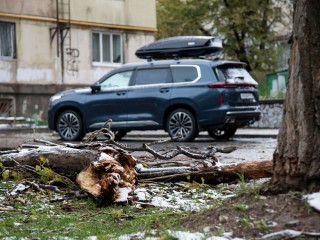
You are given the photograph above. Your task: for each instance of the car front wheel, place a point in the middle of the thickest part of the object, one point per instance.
(181, 122)
(70, 126)
(222, 133)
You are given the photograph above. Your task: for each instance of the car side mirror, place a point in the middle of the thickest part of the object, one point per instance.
(95, 88)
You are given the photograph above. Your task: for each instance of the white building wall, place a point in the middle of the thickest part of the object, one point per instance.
(37, 61)
(35, 74)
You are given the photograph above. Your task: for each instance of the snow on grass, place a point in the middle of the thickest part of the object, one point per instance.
(181, 197)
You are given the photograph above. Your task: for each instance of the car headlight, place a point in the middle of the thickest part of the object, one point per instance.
(55, 97)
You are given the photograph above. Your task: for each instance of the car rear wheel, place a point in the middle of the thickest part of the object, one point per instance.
(181, 122)
(223, 133)
(70, 126)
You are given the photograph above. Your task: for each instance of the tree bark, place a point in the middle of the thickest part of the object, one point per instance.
(297, 157)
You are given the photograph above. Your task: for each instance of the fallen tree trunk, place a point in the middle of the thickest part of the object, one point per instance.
(106, 170)
(70, 162)
(210, 175)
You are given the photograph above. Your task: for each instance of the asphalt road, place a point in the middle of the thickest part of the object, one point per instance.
(250, 144)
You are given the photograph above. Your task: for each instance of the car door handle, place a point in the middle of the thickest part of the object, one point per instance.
(120, 93)
(164, 90)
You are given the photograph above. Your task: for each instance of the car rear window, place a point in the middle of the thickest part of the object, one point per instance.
(234, 75)
(152, 76)
(184, 73)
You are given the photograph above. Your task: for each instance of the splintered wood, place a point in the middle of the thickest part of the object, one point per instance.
(112, 177)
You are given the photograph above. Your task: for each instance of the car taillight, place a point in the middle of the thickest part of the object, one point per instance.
(221, 99)
(230, 85)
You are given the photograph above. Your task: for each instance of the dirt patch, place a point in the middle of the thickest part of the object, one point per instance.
(251, 216)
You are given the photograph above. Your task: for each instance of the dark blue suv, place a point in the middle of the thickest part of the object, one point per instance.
(181, 97)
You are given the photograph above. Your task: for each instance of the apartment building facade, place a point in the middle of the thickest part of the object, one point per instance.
(50, 45)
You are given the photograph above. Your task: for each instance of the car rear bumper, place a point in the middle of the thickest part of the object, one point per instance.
(242, 117)
(237, 116)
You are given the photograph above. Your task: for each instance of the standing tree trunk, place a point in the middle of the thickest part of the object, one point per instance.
(297, 157)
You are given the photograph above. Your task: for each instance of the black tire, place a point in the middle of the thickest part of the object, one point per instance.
(182, 121)
(70, 126)
(222, 133)
(119, 135)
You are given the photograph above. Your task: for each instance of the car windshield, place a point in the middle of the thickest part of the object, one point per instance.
(234, 75)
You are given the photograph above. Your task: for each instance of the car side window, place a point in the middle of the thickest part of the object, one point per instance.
(152, 76)
(184, 74)
(121, 79)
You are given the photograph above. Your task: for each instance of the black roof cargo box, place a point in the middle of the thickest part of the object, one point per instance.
(180, 47)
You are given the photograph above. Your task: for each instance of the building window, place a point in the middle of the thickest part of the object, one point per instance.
(6, 107)
(107, 48)
(7, 40)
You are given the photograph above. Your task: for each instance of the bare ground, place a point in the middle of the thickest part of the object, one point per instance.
(251, 217)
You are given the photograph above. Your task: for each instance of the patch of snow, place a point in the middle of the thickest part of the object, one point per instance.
(179, 235)
(123, 194)
(187, 235)
(282, 234)
(19, 188)
(139, 167)
(91, 238)
(142, 195)
(314, 200)
(14, 238)
(178, 196)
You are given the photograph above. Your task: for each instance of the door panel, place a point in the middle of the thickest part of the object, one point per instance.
(147, 104)
(109, 102)
(105, 105)
(149, 97)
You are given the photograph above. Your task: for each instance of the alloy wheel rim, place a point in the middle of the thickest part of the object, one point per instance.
(69, 125)
(180, 124)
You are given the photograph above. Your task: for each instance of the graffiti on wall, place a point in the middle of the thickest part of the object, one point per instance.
(72, 61)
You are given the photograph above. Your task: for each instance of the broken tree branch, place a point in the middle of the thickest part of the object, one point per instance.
(211, 175)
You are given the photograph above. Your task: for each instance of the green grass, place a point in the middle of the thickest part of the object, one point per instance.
(85, 221)
(35, 217)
